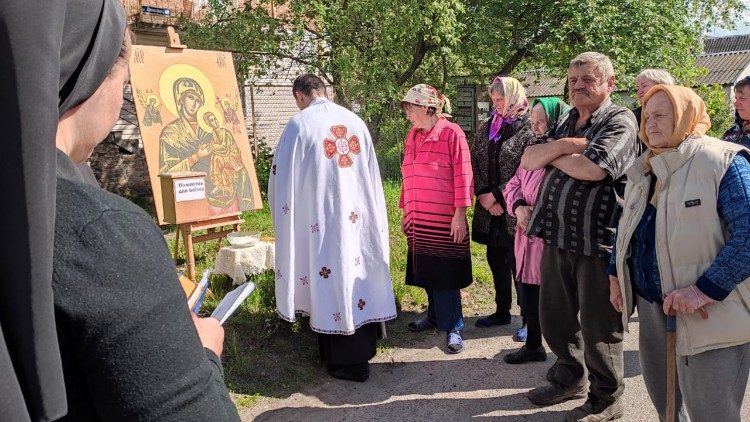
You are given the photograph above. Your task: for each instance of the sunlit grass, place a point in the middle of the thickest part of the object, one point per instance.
(267, 357)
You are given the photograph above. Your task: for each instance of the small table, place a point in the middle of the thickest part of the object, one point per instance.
(237, 261)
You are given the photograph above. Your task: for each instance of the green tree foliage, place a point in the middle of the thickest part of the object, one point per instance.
(370, 51)
(635, 34)
(367, 50)
(718, 109)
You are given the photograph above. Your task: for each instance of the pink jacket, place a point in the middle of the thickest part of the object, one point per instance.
(524, 187)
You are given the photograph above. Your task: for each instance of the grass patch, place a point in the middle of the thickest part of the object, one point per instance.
(245, 400)
(265, 356)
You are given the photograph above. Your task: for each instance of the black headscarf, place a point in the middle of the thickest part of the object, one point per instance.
(35, 65)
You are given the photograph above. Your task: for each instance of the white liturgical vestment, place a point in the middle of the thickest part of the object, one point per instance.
(329, 215)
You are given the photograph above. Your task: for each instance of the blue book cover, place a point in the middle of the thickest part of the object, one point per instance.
(199, 302)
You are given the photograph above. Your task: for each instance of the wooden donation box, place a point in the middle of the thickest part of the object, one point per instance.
(183, 196)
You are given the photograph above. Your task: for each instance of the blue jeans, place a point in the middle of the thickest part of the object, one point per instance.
(444, 309)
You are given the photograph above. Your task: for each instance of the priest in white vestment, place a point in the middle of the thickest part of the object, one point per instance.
(329, 215)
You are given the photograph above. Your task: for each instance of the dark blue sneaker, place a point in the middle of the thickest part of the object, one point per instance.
(421, 324)
(455, 342)
(521, 334)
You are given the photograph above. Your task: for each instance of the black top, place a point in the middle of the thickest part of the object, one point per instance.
(494, 163)
(578, 215)
(129, 348)
(40, 71)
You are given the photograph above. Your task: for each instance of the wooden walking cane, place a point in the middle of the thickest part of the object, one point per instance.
(671, 367)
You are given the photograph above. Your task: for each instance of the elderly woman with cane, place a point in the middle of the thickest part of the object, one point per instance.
(683, 248)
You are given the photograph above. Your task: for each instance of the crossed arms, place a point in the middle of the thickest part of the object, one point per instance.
(567, 155)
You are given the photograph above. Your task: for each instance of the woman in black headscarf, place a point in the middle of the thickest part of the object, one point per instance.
(32, 386)
(130, 348)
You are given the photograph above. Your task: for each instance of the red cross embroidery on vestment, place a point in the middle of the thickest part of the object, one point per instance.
(342, 146)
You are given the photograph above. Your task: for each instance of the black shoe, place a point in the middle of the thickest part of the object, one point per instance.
(552, 373)
(524, 355)
(596, 411)
(494, 319)
(554, 393)
(358, 372)
(421, 324)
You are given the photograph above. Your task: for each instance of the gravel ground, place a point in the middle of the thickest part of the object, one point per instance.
(415, 380)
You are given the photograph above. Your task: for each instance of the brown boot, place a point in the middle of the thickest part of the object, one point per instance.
(554, 393)
(596, 411)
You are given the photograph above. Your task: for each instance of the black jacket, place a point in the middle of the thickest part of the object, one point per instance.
(494, 164)
(129, 348)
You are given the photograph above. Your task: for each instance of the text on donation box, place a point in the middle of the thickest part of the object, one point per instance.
(189, 189)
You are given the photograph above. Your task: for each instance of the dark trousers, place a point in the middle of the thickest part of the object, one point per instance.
(502, 264)
(358, 348)
(529, 294)
(573, 283)
(444, 309)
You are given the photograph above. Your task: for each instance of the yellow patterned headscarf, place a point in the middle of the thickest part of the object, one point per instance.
(516, 104)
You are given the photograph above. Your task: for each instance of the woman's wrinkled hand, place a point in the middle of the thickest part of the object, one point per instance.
(686, 300)
(459, 228)
(615, 294)
(486, 200)
(523, 216)
(496, 210)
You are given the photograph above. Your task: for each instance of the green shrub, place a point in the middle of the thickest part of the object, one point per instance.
(390, 146)
(717, 106)
(263, 162)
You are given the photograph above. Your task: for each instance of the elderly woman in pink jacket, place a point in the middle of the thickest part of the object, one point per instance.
(520, 195)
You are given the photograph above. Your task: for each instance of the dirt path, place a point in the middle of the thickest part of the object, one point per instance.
(415, 380)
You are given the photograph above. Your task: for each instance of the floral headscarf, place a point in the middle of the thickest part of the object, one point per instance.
(427, 96)
(516, 105)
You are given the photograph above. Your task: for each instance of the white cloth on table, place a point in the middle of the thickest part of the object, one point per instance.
(329, 216)
(236, 261)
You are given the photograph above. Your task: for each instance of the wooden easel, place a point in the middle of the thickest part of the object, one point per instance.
(217, 227)
(173, 39)
(216, 230)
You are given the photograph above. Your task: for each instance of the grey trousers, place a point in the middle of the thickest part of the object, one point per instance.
(711, 385)
(575, 284)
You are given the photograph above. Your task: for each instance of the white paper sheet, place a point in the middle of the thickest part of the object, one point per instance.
(232, 301)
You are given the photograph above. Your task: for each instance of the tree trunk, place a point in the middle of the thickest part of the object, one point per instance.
(420, 50)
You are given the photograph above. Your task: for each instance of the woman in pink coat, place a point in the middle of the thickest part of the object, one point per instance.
(520, 196)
